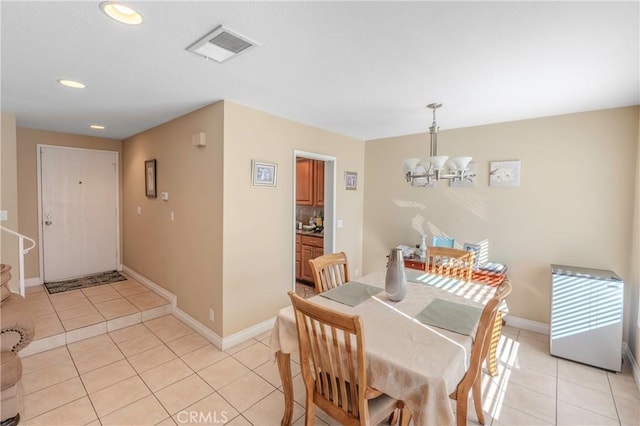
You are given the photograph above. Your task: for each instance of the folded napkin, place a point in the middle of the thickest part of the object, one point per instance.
(352, 293)
(452, 316)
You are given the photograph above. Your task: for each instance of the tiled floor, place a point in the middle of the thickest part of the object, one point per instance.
(74, 315)
(305, 290)
(162, 372)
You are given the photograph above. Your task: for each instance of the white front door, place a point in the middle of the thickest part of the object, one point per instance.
(79, 229)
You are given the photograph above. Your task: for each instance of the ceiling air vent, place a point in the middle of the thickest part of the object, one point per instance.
(221, 44)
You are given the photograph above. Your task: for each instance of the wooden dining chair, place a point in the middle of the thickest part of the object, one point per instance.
(333, 366)
(471, 381)
(502, 291)
(329, 271)
(450, 262)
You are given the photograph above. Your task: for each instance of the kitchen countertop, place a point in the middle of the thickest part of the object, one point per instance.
(310, 233)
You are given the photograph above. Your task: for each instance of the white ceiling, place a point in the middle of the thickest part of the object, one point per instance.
(364, 69)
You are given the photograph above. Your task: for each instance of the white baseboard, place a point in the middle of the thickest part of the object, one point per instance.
(220, 342)
(32, 282)
(632, 363)
(205, 332)
(538, 327)
(248, 333)
(224, 343)
(152, 286)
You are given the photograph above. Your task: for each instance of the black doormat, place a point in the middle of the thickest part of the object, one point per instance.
(84, 282)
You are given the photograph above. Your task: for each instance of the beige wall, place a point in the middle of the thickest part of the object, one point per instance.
(258, 221)
(633, 286)
(185, 255)
(574, 205)
(27, 140)
(231, 245)
(9, 197)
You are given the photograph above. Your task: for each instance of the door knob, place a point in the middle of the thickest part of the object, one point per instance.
(48, 222)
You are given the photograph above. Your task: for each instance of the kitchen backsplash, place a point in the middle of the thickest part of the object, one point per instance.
(304, 213)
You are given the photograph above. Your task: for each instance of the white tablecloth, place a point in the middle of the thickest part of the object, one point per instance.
(407, 360)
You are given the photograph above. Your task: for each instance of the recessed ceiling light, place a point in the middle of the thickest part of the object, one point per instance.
(71, 83)
(121, 13)
(97, 127)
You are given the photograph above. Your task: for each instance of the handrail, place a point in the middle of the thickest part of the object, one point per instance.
(22, 251)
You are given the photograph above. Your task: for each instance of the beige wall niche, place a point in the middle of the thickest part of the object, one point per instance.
(574, 205)
(27, 140)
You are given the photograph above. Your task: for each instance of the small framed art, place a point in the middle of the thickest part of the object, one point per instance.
(150, 178)
(264, 174)
(504, 173)
(477, 249)
(351, 181)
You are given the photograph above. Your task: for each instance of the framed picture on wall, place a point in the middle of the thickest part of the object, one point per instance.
(150, 178)
(264, 174)
(504, 173)
(477, 249)
(351, 181)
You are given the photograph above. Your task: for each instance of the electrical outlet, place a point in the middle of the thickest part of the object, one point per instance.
(357, 273)
(4, 215)
(212, 315)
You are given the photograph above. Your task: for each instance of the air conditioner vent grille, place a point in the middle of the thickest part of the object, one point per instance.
(230, 42)
(221, 44)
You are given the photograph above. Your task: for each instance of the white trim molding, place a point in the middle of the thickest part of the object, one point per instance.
(152, 286)
(219, 342)
(226, 342)
(205, 332)
(538, 327)
(33, 282)
(633, 364)
(248, 333)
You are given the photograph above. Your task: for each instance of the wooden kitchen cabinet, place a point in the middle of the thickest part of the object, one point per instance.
(304, 182)
(318, 182)
(310, 248)
(309, 182)
(298, 256)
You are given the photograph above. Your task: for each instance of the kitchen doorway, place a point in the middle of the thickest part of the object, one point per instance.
(314, 214)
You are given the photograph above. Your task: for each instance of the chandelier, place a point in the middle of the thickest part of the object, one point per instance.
(425, 172)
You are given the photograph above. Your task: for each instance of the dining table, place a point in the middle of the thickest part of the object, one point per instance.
(417, 349)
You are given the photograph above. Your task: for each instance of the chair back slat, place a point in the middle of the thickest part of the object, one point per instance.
(332, 360)
(450, 262)
(329, 271)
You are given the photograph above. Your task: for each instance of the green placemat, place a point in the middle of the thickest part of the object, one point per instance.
(352, 293)
(451, 316)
